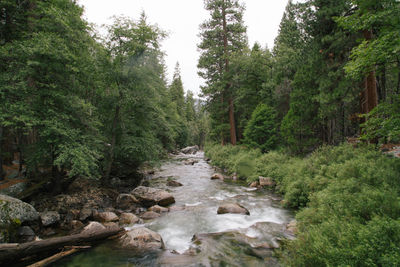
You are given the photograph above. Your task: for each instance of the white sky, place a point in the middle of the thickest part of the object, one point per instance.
(181, 19)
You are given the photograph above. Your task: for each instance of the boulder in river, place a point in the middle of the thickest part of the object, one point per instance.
(217, 176)
(141, 239)
(49, 218)
(149, 196)
(190, 150)
(232, 208)
(149, 215)
(158, 209)
(255, 184)
(174, 183)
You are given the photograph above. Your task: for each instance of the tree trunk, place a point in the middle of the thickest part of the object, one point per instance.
(1, 154)
(371, 96)
(10, 253)
(112, 146)
(228, 86)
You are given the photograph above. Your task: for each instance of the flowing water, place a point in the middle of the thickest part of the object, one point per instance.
(221, 240)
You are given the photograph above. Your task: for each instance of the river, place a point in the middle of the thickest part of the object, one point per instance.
(221, 240)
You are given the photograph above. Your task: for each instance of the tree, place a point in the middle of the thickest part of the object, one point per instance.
(261, 131)
(222, 35)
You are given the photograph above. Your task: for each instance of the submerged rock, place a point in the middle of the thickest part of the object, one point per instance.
(232, 208)
(148, 196)
(141, 239)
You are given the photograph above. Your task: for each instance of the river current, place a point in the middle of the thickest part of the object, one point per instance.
(220, 240)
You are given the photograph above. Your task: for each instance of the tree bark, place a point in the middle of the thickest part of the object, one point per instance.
(112, 146)
(9, 253)
(1, 154)
(371, 95)
(228, 85)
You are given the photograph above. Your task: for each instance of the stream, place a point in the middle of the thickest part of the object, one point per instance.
(220, 240)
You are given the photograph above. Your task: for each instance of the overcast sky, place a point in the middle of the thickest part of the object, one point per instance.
(181, 19)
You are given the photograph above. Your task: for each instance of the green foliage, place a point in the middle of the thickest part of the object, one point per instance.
(261, 131)
(348, 199)
(383, 123)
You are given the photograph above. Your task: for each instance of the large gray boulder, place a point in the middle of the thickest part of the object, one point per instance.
(141, 239)
(232, 208)
(149, 196)
(190, 150)
(12, 209)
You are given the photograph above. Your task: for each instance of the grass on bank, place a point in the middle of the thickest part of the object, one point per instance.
(347, 199)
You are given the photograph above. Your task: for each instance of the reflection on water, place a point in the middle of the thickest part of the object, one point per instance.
(201, 197)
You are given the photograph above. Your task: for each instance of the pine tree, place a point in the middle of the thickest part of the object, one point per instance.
(222, 35)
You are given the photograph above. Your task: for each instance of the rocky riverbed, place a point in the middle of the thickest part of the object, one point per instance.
(179, 216)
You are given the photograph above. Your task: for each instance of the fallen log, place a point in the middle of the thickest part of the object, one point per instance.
(58, 256)
(14, 252)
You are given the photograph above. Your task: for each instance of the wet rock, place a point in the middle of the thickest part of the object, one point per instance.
(292, 227)
(49, 218)
(25, 234)
(128, 218)
(141, 239)
(255, 184)
(174, 183)
(126, 202)
(148, 196)
(12, 208)
(158, 209)
(266, 181)
(93, 227)
(217, 176)
(106, 216)
(190, 162)
(232, 208)
(149, 215)
(190, 150)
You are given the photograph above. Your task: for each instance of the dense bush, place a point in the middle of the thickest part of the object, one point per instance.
(348, 200)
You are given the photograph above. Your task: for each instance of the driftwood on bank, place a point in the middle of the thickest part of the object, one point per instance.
(58, 256)
(14, 252)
